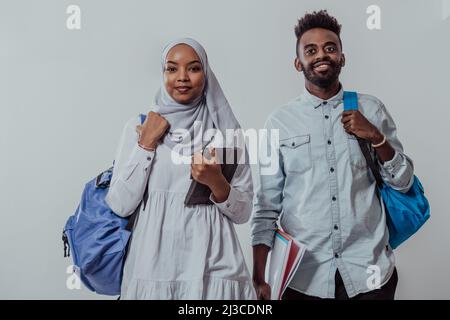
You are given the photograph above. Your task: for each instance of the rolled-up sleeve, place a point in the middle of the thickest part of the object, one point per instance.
(399, 171)
(238, 206)
(132, 168)
(268, 198)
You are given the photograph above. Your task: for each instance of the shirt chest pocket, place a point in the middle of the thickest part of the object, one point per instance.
(296, 153)
(355, 154)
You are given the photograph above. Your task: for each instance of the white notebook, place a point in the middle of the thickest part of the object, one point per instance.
(284, 260)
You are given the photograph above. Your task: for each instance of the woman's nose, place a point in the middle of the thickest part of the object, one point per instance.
(183, 76)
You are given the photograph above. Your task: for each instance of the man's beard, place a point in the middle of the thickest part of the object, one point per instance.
(320, 80)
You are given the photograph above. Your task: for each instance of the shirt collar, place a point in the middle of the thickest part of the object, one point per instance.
(316, 101)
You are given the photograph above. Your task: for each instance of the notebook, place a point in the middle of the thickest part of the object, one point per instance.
(284, 260)
(199, 193)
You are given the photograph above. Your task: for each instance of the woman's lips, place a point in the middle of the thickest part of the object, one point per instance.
(183, 89)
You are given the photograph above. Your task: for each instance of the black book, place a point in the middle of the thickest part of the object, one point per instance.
(199, 193)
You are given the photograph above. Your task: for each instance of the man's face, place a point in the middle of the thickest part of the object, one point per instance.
(320, 57)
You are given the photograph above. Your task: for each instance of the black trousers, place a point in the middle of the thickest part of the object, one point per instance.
(386, 292)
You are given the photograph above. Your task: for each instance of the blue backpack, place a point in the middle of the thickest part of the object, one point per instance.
(98, 238)
(406, 212)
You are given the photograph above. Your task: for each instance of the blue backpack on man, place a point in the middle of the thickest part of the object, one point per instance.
(98, 238)
(406, 212)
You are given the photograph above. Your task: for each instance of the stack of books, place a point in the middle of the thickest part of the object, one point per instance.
(284, 260)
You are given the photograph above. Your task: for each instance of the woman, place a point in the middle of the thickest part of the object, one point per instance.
(179, 251)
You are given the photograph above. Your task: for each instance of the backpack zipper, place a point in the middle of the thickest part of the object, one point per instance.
(66, 244)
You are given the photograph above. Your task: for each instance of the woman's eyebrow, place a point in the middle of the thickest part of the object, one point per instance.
(195, 61)
(192, 62)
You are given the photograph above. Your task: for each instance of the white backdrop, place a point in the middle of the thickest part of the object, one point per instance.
(66, 94)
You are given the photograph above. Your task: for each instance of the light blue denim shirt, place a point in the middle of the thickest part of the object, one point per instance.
(324, 194)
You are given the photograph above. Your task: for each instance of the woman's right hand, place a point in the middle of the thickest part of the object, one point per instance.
(154, 127)
(263, 290)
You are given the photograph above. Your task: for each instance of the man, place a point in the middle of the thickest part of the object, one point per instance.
(323, 192)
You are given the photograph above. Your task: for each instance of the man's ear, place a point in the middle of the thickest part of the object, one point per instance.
(343, 60)
(298, 65)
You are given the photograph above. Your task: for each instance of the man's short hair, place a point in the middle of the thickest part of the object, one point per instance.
(317, 19)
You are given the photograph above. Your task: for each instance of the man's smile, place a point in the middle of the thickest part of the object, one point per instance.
(322, 66)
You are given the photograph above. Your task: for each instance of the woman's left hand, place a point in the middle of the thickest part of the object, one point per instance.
(209, 172)
(206, 171)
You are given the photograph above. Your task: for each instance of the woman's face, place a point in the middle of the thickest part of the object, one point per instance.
(184, 77)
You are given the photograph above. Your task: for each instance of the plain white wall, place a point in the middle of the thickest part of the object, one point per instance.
(65, 96)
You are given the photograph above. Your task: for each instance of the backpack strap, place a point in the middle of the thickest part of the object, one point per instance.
(351, 103)
(143, 117)
(373, 165)
(350, 100)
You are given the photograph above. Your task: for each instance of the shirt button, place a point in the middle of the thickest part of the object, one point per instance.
(227, 205)
(329, 141)
(325, 102)
(332, 169)
(336, 255)
(327, 117)
(393, 176)
(336, 227)
(293, 143)
(149, 158)
(334, 198)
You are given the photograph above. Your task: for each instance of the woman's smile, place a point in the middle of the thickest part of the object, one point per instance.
(183, 89)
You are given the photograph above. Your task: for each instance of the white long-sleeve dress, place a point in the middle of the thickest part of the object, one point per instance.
(178, 251)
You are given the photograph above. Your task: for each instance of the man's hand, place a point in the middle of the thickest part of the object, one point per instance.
(263, 290)
(154, 127)
(355, 123)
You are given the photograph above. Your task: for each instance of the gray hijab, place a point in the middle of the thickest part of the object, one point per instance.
(211, 108)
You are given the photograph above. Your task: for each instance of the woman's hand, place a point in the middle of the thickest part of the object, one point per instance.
(209, 172)
(154, 127)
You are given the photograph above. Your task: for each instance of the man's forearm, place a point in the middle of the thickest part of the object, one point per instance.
(260, 253)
